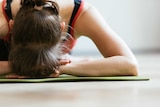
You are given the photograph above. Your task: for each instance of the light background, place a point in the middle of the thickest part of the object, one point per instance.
(137, 22)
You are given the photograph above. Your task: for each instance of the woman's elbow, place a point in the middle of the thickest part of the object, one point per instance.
(133, 68)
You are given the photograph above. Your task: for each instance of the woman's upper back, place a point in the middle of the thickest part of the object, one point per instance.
(65, 6)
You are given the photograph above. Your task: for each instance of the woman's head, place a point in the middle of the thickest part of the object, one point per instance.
(37, 23)
(36, 36)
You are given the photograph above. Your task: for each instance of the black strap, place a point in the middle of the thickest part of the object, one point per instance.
(8, 9)
(76, 8)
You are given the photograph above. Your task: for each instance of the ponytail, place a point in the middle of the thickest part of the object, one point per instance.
(33, 2)
(41, 4)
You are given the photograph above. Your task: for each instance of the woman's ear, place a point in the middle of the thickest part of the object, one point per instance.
(63, 26)
(11, 22)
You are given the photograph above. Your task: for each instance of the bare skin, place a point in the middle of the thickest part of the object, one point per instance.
(118, 58)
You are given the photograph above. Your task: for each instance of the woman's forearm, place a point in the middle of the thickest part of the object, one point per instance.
(4, 67)
(112, 66)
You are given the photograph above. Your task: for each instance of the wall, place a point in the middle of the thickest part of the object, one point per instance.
(137, 22)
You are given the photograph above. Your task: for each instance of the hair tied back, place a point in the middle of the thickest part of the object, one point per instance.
(39, 4)
(38, 7)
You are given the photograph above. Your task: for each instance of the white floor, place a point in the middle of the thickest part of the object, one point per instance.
(89, 94)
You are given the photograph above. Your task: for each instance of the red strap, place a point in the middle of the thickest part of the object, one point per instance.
(3, 9)
(5, 38)
(76, 17)
(73, 41)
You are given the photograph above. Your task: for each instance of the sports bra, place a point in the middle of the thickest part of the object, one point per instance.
(5, 42)
(6, 8)
(75, 14)
(71, 40)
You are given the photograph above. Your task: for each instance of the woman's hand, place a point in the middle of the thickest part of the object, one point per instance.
(15, 76)
(54, 75)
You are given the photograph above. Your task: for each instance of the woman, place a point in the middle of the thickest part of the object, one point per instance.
(38, 41)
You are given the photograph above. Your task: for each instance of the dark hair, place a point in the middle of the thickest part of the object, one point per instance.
(36, 36)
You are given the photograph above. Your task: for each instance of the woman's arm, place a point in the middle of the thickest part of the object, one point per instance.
(111, 66)
(4, 67)
(118, 58)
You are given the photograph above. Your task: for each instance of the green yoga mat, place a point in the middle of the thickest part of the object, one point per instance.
(69, 78)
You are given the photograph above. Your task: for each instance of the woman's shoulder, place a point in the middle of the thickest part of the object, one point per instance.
(66, 7)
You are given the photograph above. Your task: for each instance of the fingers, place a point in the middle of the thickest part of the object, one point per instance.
(64, 61)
